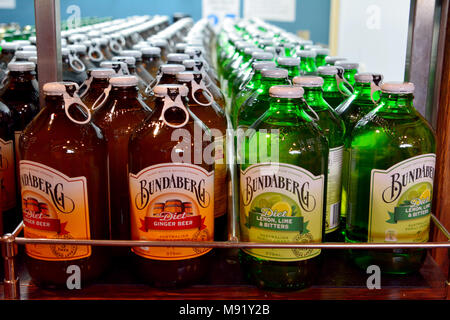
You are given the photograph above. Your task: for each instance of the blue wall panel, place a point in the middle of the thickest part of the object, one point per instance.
(310, 14)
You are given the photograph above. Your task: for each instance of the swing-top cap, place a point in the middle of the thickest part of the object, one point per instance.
(153, 51)
(131, 53)
(130, 61)
(172, 68)
(9, 46)
(57, 88)
(286, 91)
(177, 57)
(261, 65)
(158, 42)
(102, 73)
(334, 59)
(327, 70)
(306, 53)
(262, 55)
(29, 47)
(308, 81)
(364, 77)
(162, 90)
(321, 51)
(78, 48)
(347, 65)
(398, 87)
(21, 66)
(288, 61)
(26, 54)
(274, 73)
(123, 81)
(187, 75)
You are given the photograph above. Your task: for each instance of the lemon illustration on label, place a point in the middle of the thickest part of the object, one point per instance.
(283, 208)
(417, 194)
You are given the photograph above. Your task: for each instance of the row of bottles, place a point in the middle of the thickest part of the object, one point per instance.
(325, 153)
(137, 147)
(110, 168)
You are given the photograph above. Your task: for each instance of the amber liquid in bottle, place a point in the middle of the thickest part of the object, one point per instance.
(7, 170)
(118, 117)
(64, 176)
(20, 93)
(151, 145)
(213, 116)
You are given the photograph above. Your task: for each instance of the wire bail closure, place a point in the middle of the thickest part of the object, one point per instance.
(70, 100)
(200, 86)
(169, 102)
(340, 79)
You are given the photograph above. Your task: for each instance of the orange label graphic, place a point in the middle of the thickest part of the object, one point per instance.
(172, 202)
(54, 206)
(8, 180)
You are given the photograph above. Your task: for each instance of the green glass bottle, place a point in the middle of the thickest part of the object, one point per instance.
(333, 129)
(250, 86)
(245, 73)
(360, 103)
(307, 62)
(291, 64)
(283, 193)
(350, 70)
(322, 54)
(258, 103)
(391, 181)
(334, 89)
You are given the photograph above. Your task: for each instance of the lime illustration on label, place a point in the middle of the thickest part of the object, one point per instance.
(54, 206)
(400, 204)
(281, 203)
(172, 202)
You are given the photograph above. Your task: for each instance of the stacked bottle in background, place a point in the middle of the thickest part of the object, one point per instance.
(149, 103)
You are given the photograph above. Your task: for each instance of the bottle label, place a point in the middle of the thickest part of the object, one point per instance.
(172, 202)
(220, 177)
(281, 203)
(8, 176)
(400, 201)
(54, 206)
(334, 187)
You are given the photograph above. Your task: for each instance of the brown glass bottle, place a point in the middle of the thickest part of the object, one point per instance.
(142, 85)
(20, 94)
(93, 88)
(151, 60)
(6, 55)
(73, 69)
(202, 104)
(163, 169)
(140, 69)
(117, 117)
(163, 45)
(198, 65)
(64, 188)
(7, 169)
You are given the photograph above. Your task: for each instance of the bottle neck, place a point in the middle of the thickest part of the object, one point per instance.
(99, 84)
(293, 71)
(266, 83)
(349, 75)
(330, 83)
(308, 64)
(255, 81)
(363, 91)
(396, 103)
(123, 93)
(314, 98)
(288, 109)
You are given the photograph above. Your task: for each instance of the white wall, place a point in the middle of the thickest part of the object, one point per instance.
(374, 33)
